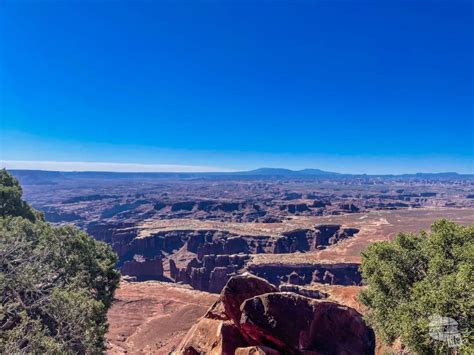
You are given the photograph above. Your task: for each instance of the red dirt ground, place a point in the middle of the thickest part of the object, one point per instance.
(152, 317)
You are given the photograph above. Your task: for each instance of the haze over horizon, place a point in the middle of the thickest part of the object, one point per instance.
(167, 168)
(376, 88)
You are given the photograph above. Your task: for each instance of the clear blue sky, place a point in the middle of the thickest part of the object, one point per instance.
(349, 86)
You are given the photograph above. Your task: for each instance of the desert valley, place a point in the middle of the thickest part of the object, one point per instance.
(181, 237)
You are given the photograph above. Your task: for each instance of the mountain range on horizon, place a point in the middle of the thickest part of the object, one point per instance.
(31, 176)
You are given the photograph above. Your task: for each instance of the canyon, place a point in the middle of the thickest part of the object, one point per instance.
(183, 239)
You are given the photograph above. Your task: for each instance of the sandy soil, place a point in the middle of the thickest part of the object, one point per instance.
(152, 317)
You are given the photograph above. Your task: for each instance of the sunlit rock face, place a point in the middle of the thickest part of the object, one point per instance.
(253, 317)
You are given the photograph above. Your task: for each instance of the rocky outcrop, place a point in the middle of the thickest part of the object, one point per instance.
(329, 273)
(57, 216)
(159, 205)
(311, 239)
(329, 234)
(290, 242)
(252, 317)
(348, 207)
(294, 208)
(292, 324)
(228, 206)
(183, 206)
(238, 289)
(121, 232)
(143, 269)
(211, 273)
(151, 246)
(392, 205)
(303, 291)
(208, 242)
(231, 245)
(210, 209)
(325, 231)
(319, 204)
(211, 335)
(173, 269)
(221, 254)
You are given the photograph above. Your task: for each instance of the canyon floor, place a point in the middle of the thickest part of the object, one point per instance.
(152, 317)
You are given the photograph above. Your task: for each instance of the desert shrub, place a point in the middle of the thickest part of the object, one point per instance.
(419, 276)
(56, 283)
(11, 203)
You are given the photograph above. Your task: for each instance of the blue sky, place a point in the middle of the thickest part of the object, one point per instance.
(376, 87)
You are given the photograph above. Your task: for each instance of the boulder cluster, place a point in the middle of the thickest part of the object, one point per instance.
(252, 316)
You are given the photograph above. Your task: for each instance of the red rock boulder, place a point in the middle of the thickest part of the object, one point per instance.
(252, 317)
(240, 288)
(294, 324)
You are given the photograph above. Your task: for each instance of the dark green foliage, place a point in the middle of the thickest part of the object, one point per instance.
(415, 277)
(11, 203)
(56, 284)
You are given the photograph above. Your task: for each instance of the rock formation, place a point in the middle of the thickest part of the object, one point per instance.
(143, 269)
(303, 291)
(221, 254)
(253, 317)
(240, 288)
(209, 274)
(329, 273)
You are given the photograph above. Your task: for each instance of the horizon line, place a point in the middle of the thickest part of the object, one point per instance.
(112, 167)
